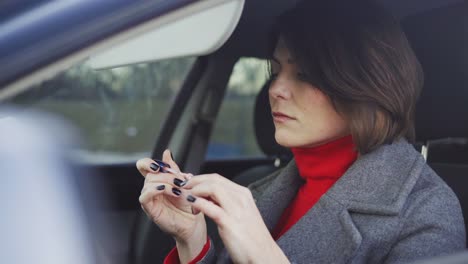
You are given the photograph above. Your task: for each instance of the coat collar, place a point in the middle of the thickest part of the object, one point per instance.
(380, 182)
(377, 183)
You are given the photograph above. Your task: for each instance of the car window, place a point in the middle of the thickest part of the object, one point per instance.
(233, 136)
(117, 111)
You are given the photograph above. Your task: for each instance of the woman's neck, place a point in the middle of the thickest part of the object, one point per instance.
(329, 160)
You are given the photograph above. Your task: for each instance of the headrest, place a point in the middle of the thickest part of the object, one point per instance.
(448, 150)
(439, 39)
(264, 127)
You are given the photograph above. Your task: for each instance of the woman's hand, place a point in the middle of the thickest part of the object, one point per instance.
(164, 203)
(239, 222)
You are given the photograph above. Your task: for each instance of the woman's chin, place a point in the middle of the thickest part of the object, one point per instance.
(284, 140)
(291, 140)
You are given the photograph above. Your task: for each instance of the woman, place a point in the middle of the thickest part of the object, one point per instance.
(343, 95)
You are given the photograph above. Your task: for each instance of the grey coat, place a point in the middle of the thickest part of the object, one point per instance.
(389, 207)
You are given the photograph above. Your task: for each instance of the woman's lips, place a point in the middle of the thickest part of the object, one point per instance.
(279, 117)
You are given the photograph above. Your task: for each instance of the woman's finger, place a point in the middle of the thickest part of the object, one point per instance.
(152, 190)
(167, 158)
(167, 178)
(147, 165)
(215, 192)
(187, 176)
(213, 211)
(212, 178)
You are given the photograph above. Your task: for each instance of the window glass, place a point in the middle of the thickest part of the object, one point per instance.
(234, 136)
(118, 111)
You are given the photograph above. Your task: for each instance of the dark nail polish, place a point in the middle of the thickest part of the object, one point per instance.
(162, 163)
(172, 157)
(179, 182)
(161, 187)
(154, 166)
(191, 199)
(176, 191)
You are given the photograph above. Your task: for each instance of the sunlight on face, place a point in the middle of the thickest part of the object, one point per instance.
(302, 114)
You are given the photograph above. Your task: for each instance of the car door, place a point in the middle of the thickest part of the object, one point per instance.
(122, 114)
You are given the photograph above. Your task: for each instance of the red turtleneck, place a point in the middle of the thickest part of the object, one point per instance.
(320, 167)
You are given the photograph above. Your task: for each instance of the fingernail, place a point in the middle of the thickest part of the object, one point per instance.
(172, 157)
(176, 191)
(161, 187)
(191, 199)
(154, 166)
(161, 163)
(179, 182)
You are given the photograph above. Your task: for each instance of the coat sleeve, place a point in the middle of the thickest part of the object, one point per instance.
(432, 225)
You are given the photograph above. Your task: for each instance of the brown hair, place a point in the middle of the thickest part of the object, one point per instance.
(356, 54)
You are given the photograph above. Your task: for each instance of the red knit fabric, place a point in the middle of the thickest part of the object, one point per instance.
(173, 256)
(320, 167)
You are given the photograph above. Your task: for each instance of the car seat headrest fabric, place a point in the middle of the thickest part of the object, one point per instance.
(439, 39)
(448, 151)
(264, 127)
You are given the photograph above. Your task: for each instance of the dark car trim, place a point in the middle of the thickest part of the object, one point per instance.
(177, 108)
(28, 44)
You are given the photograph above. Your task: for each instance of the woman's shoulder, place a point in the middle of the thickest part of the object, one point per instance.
(431, 181)
(431, 220)
(431, 191)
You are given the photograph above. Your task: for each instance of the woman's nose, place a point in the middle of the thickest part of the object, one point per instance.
(279, 89)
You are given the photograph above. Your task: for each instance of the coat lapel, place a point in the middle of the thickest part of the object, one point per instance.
(377, 183)
(325, 230)
(380, 182)
(279, 194)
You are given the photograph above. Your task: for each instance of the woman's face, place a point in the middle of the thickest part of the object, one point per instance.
(302, 114)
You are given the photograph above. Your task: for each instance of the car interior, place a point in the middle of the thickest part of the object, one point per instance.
(438, 33)
(441, 124)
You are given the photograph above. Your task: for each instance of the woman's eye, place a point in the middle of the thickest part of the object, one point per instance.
(273, 75)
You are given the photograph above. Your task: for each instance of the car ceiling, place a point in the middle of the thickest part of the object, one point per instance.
(248, 40)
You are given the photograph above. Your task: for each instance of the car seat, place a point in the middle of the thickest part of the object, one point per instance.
(440, 41)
